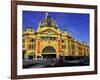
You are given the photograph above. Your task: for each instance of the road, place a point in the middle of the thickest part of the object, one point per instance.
(51, 63)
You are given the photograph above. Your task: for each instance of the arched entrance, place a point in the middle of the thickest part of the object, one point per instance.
(49, 52)
(24, 51)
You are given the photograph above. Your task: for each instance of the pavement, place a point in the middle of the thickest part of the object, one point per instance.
(52, 63)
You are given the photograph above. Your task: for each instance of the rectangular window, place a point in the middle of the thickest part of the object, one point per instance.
(63, 46)
(73, 46)
(23, 46)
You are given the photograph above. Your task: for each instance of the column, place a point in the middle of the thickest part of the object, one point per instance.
(58, 47)
(27, 48)
(37, 51)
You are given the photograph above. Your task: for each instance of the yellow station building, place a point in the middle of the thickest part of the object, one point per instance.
(50, 41)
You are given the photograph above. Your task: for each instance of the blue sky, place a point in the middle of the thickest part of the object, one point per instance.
(77, 24)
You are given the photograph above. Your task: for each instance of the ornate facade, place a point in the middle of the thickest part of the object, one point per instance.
(50, 41)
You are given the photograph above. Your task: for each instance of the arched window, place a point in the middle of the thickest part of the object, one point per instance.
(29, 47)
(32, 40)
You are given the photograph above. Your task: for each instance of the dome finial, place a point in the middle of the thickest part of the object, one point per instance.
(46, 14)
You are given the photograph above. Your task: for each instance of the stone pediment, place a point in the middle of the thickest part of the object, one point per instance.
(49, 31)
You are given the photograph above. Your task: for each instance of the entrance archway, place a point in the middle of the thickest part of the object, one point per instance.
(49, 52)
(24, 51)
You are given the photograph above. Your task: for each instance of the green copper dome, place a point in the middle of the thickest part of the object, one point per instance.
(48, 22)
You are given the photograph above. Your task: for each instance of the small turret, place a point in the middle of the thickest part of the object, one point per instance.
(29, 29)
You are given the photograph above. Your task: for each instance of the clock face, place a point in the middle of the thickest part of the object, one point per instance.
(49, 34)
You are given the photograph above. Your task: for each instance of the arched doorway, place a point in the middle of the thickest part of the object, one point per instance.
(24, 51)
(49, 52)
